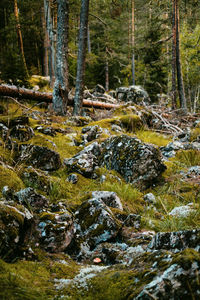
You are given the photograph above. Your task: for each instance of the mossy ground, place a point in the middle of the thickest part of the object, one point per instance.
(35, 279)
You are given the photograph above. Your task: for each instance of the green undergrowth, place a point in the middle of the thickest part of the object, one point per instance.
(41, 82)
(10, 178)
(177, 190)
(75, 194)
(148, 136)
(130, 122)
(34, 280)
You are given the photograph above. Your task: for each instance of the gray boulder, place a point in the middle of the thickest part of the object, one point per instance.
(39, 157)
(94, 223)
(31, 199)
(14, 229)
(85, 161)
(109, 198)
(134, 93)
(137, 162)
(178, 240)
(56, 230)
(21, 132)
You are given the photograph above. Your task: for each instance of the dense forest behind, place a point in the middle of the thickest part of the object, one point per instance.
(116, 31)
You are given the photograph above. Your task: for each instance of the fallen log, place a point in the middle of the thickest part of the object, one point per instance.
(22, 93)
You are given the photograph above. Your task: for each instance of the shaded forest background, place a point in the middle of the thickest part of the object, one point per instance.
(110, 46)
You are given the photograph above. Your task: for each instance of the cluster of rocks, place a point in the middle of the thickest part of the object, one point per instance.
(132, 94)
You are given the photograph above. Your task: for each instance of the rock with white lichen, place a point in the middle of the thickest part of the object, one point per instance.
(137, 162)
(94, 223)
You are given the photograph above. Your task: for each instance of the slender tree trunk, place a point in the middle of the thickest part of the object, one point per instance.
(88, 40)
(133, 40)
(60, 92)
(174, 56)
(46, 43)
(50, 44)
(107, 72)
(178, 62)
(78, 99)
(19, 33)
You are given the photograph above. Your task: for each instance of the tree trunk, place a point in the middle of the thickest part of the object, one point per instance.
(19, 33)
(81, 57)
(174, 56)
(46, 43)
(178, 63)
(50, 43)
(88, 40)
(21, 93)
(60, 93)
(107, 73)
(133, 40)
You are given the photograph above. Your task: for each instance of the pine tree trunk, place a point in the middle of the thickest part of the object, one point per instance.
(106, 72)
(178, 63)
(50, 44)
(174, 56)
(46, 43)
(60, 92)
(19, 33)
(81, 57)
(88, 40)
(133, 40)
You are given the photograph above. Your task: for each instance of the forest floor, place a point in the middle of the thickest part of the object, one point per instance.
(154, 256)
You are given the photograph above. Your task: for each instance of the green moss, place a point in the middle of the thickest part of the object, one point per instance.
(5, 154)
(195, 133)
(131, 122)
(152, 137)
(131, 198)
(9, 213)
(41, 81)
(186, 257)
(187, 158)
(10, 178)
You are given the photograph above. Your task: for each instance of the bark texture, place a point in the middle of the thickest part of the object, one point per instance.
(21, 93)
(19, 33)
(174, 56)
(60, 93)
(81, 57)
(178, 62)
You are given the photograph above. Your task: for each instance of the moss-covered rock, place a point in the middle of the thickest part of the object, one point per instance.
(137, 162)
(14, 227)
(56, 230)
(39, 157)
(94, 223)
